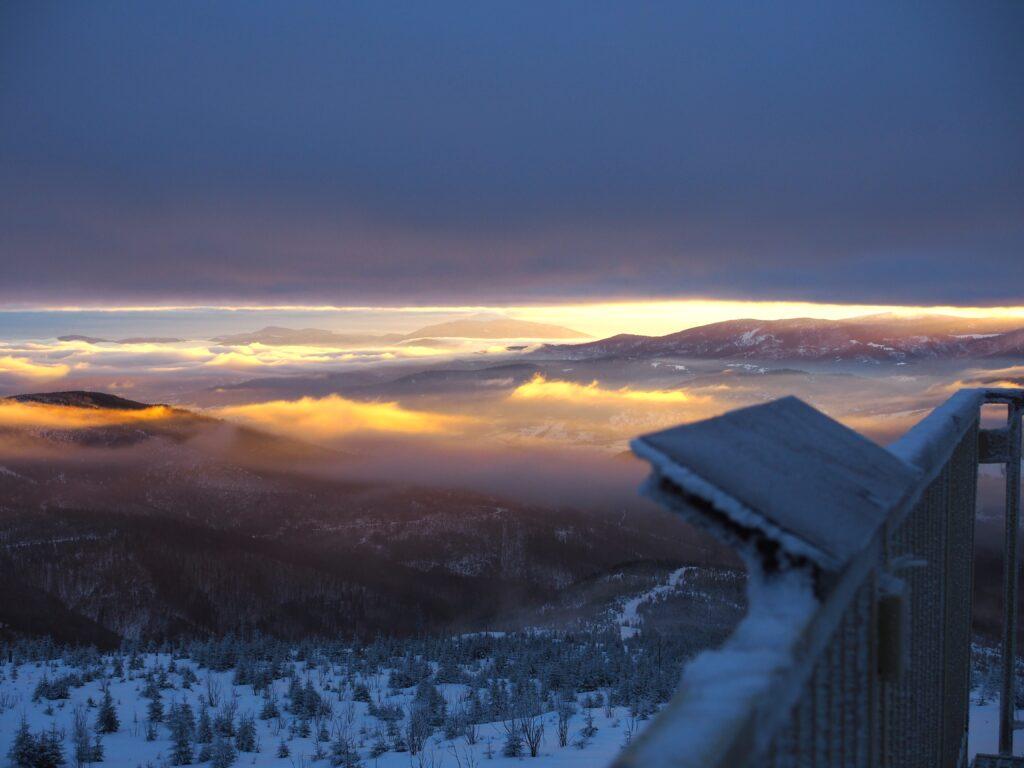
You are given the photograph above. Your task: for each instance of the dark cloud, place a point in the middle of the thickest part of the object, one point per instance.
(485, 151)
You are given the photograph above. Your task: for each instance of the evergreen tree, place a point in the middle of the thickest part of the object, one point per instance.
(343, 753)
(181, 726)
(245, 739)
(97, 749)
(49, 749)
(361, 693)
(224, 720)
(22, 752)
(513, 746)
(204, 728)
(379, 747)
(269, 710)
(106, 719)
(222, 753)
(282, 749)
(151, 691)
(431, 702)
(155, 710)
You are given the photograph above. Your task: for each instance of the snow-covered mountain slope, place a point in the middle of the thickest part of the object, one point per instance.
(870, 339)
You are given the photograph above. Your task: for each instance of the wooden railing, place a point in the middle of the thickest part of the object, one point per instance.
(855, 650)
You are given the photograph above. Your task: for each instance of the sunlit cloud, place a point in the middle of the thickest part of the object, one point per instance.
(43, 416)
(540, 388)
(328, 418)
(24, 368)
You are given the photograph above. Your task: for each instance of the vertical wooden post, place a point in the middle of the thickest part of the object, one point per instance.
(1010, 568)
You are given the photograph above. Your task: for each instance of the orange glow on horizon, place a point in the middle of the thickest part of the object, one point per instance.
(597, 318)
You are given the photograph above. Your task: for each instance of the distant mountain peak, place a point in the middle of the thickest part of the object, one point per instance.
(481, 326)
(496, 327)
(275, 335)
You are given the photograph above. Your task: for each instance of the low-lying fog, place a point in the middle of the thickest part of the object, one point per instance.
(464, 413)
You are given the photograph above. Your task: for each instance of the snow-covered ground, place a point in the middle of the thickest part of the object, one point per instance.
(130, 748)
(983, 735)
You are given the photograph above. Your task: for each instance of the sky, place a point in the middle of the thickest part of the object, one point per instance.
(510, 154)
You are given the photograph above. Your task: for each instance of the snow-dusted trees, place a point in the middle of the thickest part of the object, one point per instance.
(106, 719)
(155, 710)
(182, 726)
(431, 702)
(204, 726)
(269, 710)
(43, 750)
(222, 753)
(245, 739)
(22, 752)
(460, 689)
(344, 752)
(88, 748)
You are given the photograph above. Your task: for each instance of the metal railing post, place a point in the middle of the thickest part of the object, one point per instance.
(1010, 576)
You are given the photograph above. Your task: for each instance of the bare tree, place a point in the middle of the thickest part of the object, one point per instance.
(80, 734)
(532, 727)
(629, 730)
(565, 712)
(417, 729)
(213, 691)
(465, 757)
(427, 757)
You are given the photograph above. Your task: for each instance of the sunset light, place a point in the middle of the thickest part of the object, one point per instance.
(511, 385)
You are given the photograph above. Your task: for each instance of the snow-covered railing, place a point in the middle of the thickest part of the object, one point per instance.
(856, 647)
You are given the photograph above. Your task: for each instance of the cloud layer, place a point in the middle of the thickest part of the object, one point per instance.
(327, 419)
(340, 154)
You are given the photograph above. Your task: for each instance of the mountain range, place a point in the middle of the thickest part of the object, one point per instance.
(872, 338)
(470, 328)
(128, 340)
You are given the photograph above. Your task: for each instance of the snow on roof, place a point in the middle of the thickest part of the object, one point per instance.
(785, 472)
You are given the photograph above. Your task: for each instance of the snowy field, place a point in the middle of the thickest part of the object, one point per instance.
(984, 732)
(594, 734)
(349, 723)
(546, 698)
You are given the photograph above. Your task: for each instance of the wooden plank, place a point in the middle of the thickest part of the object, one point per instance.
(786, 472)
